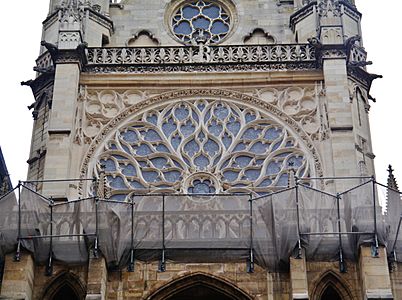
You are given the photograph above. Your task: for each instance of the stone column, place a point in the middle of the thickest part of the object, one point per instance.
(61, 122)
(298, 278)
(18, 278)
(374, 274)
(339, 113)
(270, 286)
(97, 279)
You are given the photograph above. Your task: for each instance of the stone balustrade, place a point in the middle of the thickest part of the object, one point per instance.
(203, 54)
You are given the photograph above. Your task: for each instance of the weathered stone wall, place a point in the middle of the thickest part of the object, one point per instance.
(155, 16)
(27, 281)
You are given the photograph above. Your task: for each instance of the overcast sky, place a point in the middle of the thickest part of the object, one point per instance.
(21, 24)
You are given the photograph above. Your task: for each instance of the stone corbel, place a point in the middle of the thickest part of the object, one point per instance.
(328, 51)
(67, 56)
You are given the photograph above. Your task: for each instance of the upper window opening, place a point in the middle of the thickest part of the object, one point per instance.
(201, 22)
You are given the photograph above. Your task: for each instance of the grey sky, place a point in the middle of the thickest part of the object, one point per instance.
(21, 35)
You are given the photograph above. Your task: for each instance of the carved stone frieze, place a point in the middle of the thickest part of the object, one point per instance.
(69, 38)
(97, 108)
(203, 68)
(331, 35)
(107, 112)
(333, 53)
(298, 53)
(303, 105)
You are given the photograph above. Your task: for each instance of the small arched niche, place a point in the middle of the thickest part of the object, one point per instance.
(330, 293)
(259, 37)
(66, 286)
(199, 286)
(143, 38)
(332, 287)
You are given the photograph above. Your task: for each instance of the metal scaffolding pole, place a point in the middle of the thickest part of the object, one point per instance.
(250, 263)
(162, 263)
(96, 246)
(130, 267)
(17, 256)
(376, 246)
(49, 265)
(299, 246)
(342, 264)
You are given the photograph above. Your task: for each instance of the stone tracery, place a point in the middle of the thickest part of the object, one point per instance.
(201, 146)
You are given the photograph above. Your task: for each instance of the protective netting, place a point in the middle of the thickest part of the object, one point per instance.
(318, 223)
(200, 228)
(275, 232)
(393, 220)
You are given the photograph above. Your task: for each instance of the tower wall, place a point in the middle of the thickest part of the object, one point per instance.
(220, 97)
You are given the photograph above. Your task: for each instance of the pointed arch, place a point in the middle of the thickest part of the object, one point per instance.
(331, 283)
(259, 36)
(67, 284)
(201, 281)
(143, 38)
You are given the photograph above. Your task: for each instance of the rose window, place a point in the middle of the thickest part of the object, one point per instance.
(201, 21)
(200, 147)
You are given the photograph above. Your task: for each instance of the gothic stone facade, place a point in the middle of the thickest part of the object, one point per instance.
(188, 96)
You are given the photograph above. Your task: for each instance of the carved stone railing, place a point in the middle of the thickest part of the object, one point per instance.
(201, 55)
(357, 54)
(44, 61)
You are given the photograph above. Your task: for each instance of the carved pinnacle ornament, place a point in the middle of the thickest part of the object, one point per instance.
(329, 8)
(391, 183)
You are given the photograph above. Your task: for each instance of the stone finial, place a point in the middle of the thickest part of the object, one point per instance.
(394, 204)
(391, 183)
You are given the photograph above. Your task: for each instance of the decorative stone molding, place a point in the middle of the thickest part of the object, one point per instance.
(332, 279)
(211, 93)
(197, 278)
(97, 108)
(273, 54)
(65, 56)
(69, 39)
(207, 68)
(333, 53)
(331, 35)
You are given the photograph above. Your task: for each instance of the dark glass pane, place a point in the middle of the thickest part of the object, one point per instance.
(219, 27)
(201, 22)
(189, 12)
(183, 28)
(213, 11)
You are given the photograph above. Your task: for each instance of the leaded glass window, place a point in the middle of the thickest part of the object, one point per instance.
(201, 147)
(201, 21)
